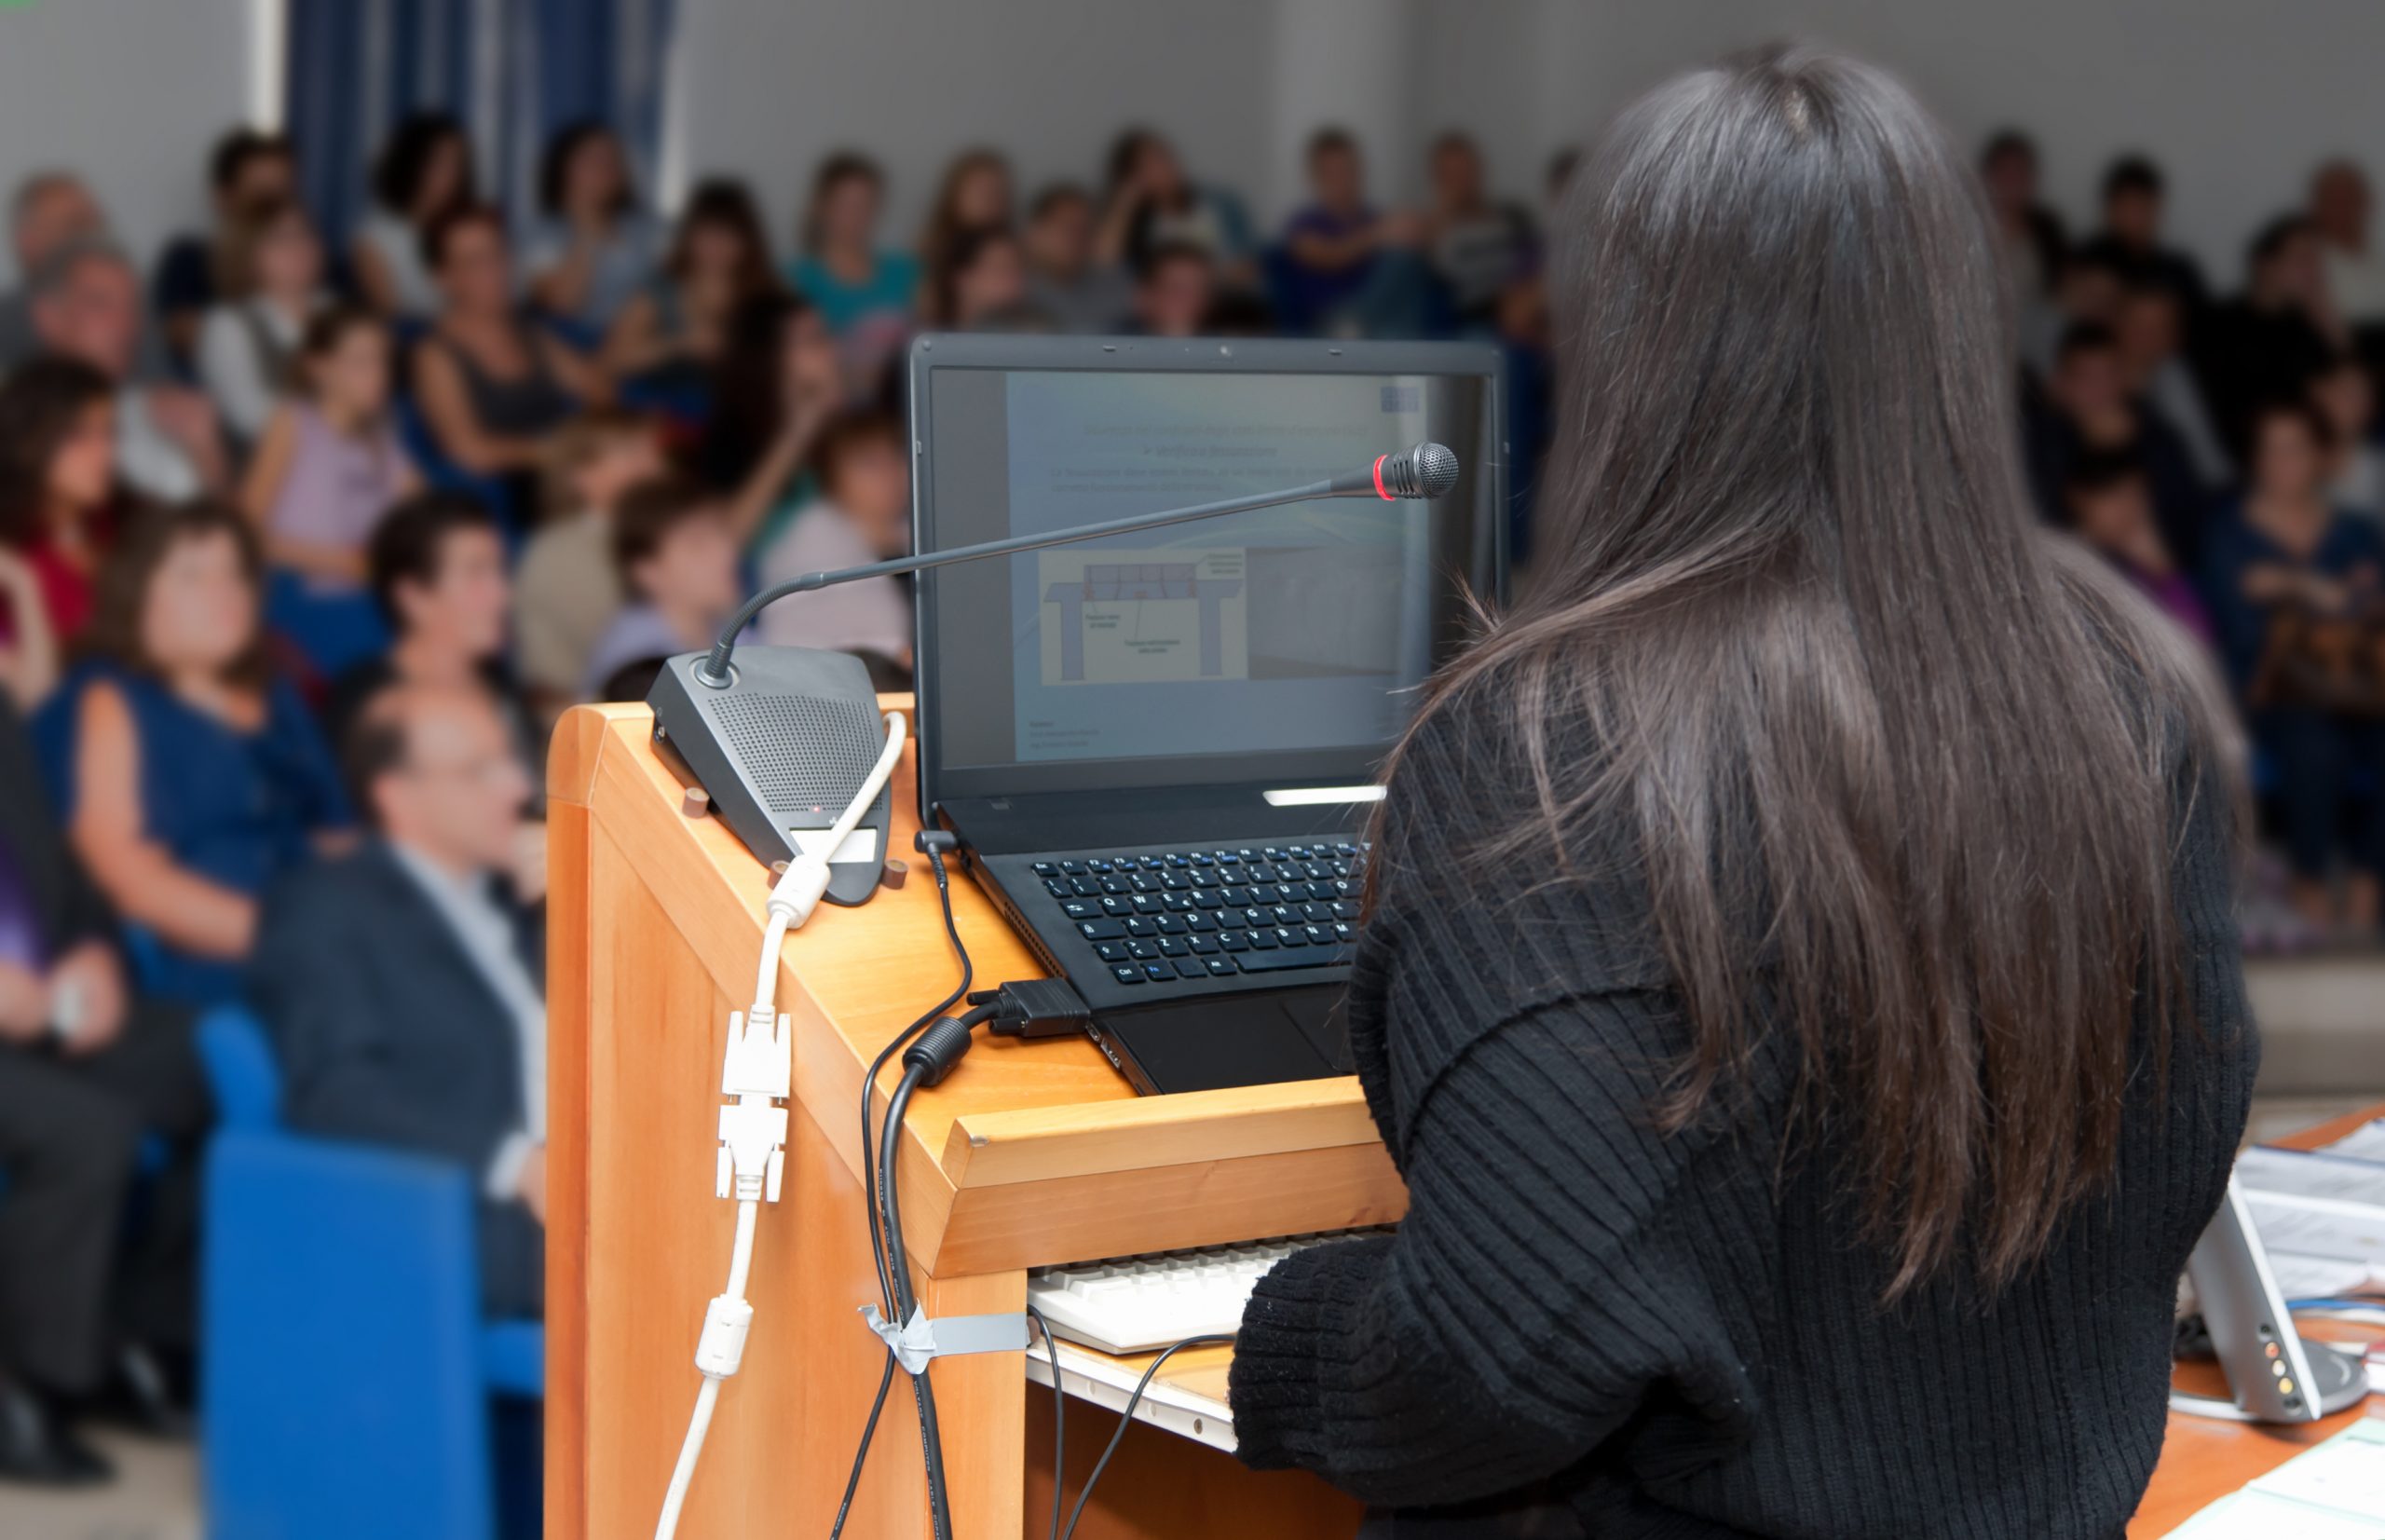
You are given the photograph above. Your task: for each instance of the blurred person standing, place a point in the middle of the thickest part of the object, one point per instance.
(195, 273)
(59, 505)
(424, 170)
(402, 983)
(595, 246)
(189, 773)
(50, 208)
(269, 285)
(1475, 246)
(329, 467)
(87, 305)
(2134, 193)
(862, 514)
(1065, 281)
(568, 590)
(88, 1297)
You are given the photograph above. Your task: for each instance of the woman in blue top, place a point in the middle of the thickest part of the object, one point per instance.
(189, 775)
(2285, 548)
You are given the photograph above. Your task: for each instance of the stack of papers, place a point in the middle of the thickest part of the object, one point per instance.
(2321, 1214)
(2336, 1491)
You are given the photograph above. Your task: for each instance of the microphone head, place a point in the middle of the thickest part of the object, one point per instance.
(1421, 471)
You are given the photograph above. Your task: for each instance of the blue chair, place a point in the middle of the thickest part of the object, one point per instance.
(347, 1370)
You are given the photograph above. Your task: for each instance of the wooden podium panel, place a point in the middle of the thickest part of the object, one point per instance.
(1030, 1153)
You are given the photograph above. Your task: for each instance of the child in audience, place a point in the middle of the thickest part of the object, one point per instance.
(981, 282)
(329, 467)
(2287, 550)
(2111, 509)
(595, 246)
(2346, 395)
(1064, 281)
(424, 170)
(1178, 292)
(59, 503)
(974, 196)
(189, 774)
(677, 559)
(678, 322)
(569, 589)
(493, 385)
(864, 295)
(862, 514)
(249, 345)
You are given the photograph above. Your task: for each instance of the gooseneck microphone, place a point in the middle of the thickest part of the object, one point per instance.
(1422, 470)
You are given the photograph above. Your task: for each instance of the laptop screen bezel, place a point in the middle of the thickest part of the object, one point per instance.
(939, 782)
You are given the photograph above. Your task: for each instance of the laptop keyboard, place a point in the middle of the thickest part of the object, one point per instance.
(1158, 915)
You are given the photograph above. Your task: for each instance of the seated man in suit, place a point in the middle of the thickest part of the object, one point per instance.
(401, 983)
(84, 1072)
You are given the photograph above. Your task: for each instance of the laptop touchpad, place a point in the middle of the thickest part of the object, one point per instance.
(1201, 1045)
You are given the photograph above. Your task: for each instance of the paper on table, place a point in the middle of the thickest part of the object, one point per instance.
(2345, 1475)
(2300, 1277)
(2366, 1142)
(2258, 1515)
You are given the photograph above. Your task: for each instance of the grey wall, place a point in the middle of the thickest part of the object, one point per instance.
(128, 92)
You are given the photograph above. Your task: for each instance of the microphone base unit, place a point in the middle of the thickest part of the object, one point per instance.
(780, 749)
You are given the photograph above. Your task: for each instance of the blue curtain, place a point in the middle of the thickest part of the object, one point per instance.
(514, 71)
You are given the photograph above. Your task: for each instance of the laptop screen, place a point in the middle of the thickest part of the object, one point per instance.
(1282, 644)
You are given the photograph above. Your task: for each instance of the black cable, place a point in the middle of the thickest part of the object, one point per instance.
(898, 1269)
(1059, 1417)
(868, 1170)
(1126, 1420)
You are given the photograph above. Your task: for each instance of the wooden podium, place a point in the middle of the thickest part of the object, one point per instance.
(1031, 1153)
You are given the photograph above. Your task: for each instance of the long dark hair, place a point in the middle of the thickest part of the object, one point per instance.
(121, 599)
(748, 389)
(405, 158)
(41, 405)
(1894, 766)
(727, 203)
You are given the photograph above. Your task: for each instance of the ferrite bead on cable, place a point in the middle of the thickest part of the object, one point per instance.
(938, 1050)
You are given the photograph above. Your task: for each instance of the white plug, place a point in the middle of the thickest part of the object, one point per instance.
(801, 888)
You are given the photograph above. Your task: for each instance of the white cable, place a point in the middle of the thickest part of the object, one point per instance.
(759, 1070)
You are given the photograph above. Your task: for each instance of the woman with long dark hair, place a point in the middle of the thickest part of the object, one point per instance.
(1801, 991)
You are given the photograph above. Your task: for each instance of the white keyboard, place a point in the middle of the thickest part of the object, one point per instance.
(1139, 1304)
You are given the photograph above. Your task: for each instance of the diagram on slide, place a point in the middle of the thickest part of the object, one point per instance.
(1143, 616)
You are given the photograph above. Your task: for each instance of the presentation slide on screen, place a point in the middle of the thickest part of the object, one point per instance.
(1280, 629)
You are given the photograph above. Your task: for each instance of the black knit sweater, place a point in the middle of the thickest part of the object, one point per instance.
(1682, 1336)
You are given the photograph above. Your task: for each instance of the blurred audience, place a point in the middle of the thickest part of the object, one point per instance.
(1149, 202)
(866, 295)
(247, 172)
(88, 1300)
(677, 323)
(2134, 192)
(1065, 279)
(401, 981)
(2034, 241)
(2269, 342)
(677, 557)
(1176, 293)
(2107, 501)
(1476, 245)
(2345, 394)
(269, 284)
(1339, 251)
(973, 200)
(50, 209)
(2090, 410)
(594, 245)
(2340, 213)
(86, 307)
(2283, 567)
(60, 508)
(779, 384)
(493, 383)
(979, 285)
(2150, 326)
(190, 773)
(862, 514)
(568, 589)
(423, 171)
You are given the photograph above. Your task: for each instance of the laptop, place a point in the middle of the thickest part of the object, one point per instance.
(1159, 751)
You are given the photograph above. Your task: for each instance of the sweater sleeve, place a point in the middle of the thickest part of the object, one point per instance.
(1537, 1295)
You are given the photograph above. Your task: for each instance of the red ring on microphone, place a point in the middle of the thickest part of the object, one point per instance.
(1379, 487)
